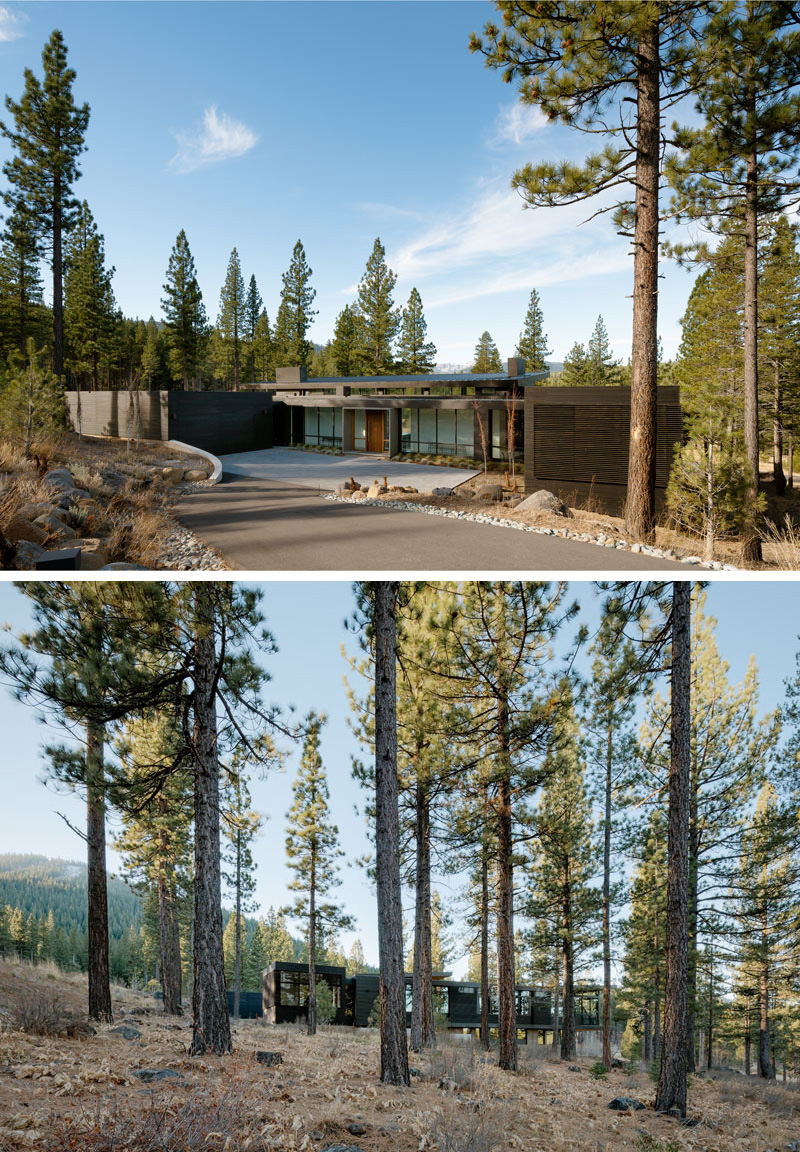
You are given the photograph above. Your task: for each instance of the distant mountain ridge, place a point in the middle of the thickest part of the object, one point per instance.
(39, 885)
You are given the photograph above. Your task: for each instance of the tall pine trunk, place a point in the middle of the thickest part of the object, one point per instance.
(765, 1068)
(312, 946)
(211, 1031)
(640, 503)
(394, 1047)
(97, 916)
(671, 1091)
(692, 930)
(485, 994)
(237, 931)
(751, 547)
(568, 1043)
(607, 901)
(422, 1029)
(556, 1001)
(168, 932)
(507, 1021)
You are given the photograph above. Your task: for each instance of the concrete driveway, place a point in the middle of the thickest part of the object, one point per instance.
(265, 526)
(322, 473)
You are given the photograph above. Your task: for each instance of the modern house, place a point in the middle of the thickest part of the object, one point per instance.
(457, 1003)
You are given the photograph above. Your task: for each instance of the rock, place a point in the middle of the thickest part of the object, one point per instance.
(270, 1059)
(414, 1072)
(442, 492)
(470, 1105)
(356, 1129)
(615, 1063)
(55, 526)
(31, 511)
(172, 475)
(195, 475)
(341, 1148)
(544, 501)
(92, 561)
(149, 1075)
(448, 1085)
(489, 493)
(27, 554)
(19, 529)
(59, 478)
(375, 489)
(343, 489)
(126, 1031)
(689, 1122)
(78, 1028)
(122, 566)
(514, 502)
(626, 1104)
(574, 1068)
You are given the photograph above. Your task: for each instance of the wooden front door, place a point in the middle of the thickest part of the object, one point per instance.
(375, 437)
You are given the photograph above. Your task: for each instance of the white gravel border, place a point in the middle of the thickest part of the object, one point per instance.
(601, 539)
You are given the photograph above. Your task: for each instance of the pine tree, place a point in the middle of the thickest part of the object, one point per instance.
(240, 827)
(89, 306)
(184, 313)
(533, 341)
(292, 346)
(611, 70)
(379, 318)
(22, 312)
(742, 162)
(232, 318)
(779, 334)
(487, 358)
(312, 849)
(47, 139)
(356, 961)
(414, 353)
(253, 308)
(601, 368)
(31, 402)
(263, 349)
(575, 373)
(348, 341)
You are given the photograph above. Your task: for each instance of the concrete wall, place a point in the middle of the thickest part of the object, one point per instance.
(109, 414)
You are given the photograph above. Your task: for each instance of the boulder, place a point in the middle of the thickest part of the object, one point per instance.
(490, 493)
(375, 489)
(59, 478)
(92, 562)
(126, 1031)
(411, 490)
(19, 529)
(356, 1129)
(55, 526)
(442, 492)
(359, 494)
(195, 475)
(343, 489)
(172, 475)
(27, 555)
(543, 501)
(270, 1059)
(31, 511)
(626, 1104)
(149, 1075)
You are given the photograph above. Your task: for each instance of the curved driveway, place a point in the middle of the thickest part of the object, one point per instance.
(266, 526)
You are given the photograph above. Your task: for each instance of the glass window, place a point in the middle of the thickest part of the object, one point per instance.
(427, 429)
(336, 990)
(360, 429)
(294, 989)
(311, 425)
(325, 423)
(465, 432)
(337, 423)
(498, 436)
(440, 1000)
(446, 432)
(523, 1002)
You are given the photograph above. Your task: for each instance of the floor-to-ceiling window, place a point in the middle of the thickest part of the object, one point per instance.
(323, 426)
(442, 431)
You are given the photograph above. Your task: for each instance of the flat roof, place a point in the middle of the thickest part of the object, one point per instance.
(422, 378)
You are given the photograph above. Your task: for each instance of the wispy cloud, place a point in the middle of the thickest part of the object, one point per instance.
(11, 24)
(218, 138)
(388, 211)
(519, 123)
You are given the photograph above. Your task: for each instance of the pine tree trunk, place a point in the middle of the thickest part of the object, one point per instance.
(692, 931)
(790, 461)
(751, 546)
(568, 1048)
(394, 1048)
(507, 1018)
(211, 1031)
(777, 438)
(657, 988)
(422, 1028)
(556, 1003)
(484, 1032)
(765, 1069)
(640, 503)
(58, 306)
(671, 1092)
(607, 902)
(97, 914)
(237, 932)
(747, 1041)
(647, 1033)
(168, 936)
(312, 954)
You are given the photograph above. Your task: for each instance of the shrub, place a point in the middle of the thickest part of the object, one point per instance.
(326, 1009)
(598, 1070)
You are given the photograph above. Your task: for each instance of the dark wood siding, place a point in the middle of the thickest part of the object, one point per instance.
(221, 422)
(250, 1004)
(576, 441)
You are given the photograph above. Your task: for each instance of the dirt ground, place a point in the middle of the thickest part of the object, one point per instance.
(82, 1093)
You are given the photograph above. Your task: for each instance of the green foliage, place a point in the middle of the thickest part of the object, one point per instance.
(575, 364)
(326, 1009)
(348, 342)
(90, 311)
(184, 313)
(533, 341)
(379, 318)
(292, 346)
(31, 402)
(598, 1070)
(414, 354)
(487, 358)
(22, 312)
(232, 318)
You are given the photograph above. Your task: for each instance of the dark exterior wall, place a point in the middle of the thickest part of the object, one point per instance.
(277, 1013)
(577, 440)
(108, 414)
(221, 422)
(218, 422)
(250, 1004)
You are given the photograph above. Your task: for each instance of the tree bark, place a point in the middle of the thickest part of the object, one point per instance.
(484, 1032)
(751, 546)
(507, 1017)
(211, 1030)
(97, 914)
(168, 933)
(312, 951)
(394, 1048)
(556, 1003)
(671, 1091)
(777, 438)
(422, 1029)
(765, 1069)
(568, 1043)
(607, 900)
(237, 931)
(640, 503)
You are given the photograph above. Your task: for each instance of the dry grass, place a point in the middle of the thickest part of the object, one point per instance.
(782, 543)
(64, 1094)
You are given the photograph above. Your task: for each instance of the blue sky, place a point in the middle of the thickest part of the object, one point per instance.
(307, 622)
(255, 124)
